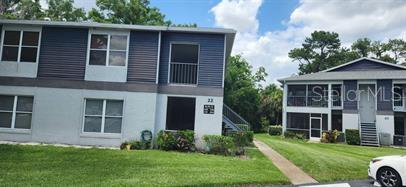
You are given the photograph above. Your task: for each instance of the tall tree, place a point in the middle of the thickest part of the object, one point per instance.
(63, 10)
(21, 9)
(378, 49)
(241, 92)
(127, 12)
(398, 48)
(317, 52)
(362, 46)
(271, 104)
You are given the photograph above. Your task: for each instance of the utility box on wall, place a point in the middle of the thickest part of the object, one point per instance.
(384, 139)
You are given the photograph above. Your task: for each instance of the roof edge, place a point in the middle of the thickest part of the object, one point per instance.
(365, 58)
(120, 26)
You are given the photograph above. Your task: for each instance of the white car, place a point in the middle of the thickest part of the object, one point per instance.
(389, 171)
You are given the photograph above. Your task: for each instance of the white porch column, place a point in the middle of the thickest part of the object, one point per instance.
(284, 105)
(329, 106)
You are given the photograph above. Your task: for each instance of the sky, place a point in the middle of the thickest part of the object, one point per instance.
(268, 29)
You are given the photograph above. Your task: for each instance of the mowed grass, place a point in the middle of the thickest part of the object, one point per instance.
(328, 162)
(60, 166)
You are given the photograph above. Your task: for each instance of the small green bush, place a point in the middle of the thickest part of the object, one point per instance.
(124, 145)
(294, 135)
(352, 136)
(219, 145)
(176, 140)
(242, 139)
(330, 136)
(275, 130)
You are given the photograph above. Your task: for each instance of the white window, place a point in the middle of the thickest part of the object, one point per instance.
(20, 45)
(108, 49)
(103, 116)
(16, 112)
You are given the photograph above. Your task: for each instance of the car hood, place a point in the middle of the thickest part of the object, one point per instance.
(391, 157)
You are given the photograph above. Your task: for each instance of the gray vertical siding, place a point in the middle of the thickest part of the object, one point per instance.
(384, 95)
(211, 56)
(350, 100)
(143, 57)
(63, 53)
(366, 65)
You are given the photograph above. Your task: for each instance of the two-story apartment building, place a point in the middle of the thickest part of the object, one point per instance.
(364, 94)
(99, 84)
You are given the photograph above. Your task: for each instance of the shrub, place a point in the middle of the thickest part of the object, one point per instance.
(176, 140)
(123, 145)
(220, 145)
(352, 136)
(242, 139)
(275, 130)
(330, 136)
(294, 135)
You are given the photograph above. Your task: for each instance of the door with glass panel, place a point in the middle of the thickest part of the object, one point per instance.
(315, 128)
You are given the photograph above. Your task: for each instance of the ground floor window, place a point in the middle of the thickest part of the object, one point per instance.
(180, 113)
(337, 120)
(103, 116)
(16, 111)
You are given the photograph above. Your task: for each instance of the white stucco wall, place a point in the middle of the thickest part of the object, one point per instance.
(58, 116)
(386, 124)
(204, 123)
(350, 121)
(18, 69)
(106, 73)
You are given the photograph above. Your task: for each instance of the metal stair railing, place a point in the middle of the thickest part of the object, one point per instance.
(232, 116)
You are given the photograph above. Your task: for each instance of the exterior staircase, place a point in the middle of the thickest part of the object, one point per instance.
(368, 134)
(232, 122)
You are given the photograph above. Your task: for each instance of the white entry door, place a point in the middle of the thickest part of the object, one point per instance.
(367, 103)
(315, 128)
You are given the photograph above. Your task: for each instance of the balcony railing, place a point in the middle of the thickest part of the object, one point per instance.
(183, 73)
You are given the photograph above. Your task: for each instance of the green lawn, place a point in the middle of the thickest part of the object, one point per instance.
(328, 162)
(57, 166)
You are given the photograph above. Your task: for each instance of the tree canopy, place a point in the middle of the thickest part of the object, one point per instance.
(106, 11)
(323, 50)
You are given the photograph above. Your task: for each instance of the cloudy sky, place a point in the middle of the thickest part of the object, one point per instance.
(269, 29)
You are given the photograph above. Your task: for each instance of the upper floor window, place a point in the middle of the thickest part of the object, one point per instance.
(308, 95)
(103, 116)
(184, 63)
(108, 49)
(16, 112)
(20, 46)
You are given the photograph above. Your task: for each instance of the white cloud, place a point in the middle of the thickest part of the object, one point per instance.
(239, 14)
(376, 19)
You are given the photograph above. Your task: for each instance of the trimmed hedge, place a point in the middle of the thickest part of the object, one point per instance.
(352, 136)
(176, 140)
(275, 130)
(294, 135)
(220, 145)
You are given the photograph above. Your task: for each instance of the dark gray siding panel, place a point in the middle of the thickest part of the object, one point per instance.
(384, 95)
(63, 53)
(210, 57)
(350, 95)
(143, 56)
(366, 65)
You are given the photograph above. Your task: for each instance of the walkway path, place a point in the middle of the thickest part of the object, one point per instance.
(294, 173)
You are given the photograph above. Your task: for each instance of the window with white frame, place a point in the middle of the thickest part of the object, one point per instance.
(103, 116)
(16, 112)
(20, 46)
(108, 49)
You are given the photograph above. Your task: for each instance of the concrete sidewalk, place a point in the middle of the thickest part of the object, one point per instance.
(294, 173)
